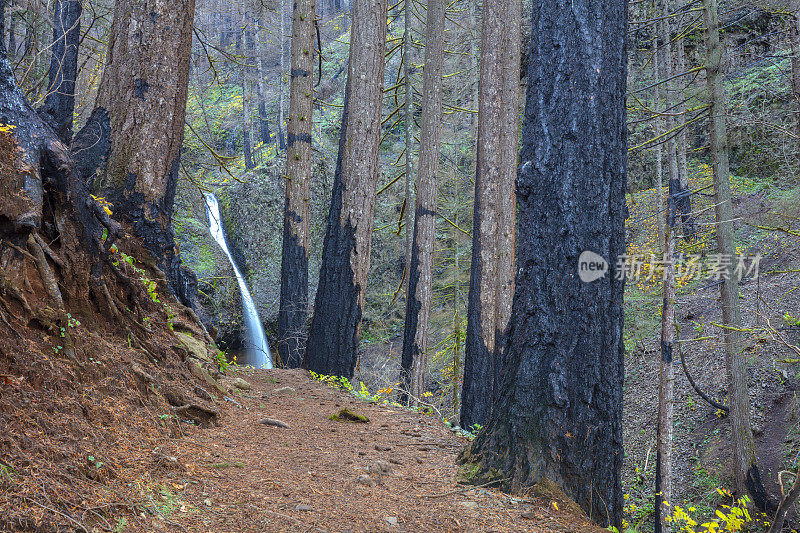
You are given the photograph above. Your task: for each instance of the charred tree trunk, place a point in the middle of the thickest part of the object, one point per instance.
(293, 311)
(144, 89)
(420, 269)
(491, 277)
(559, 412)
(60, 101)
(335, 328)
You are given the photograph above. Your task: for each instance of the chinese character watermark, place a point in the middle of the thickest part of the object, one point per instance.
(687, 267)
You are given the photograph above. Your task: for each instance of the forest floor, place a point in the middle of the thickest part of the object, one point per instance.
(322, 475)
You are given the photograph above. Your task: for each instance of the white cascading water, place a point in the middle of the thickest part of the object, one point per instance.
(257, 354)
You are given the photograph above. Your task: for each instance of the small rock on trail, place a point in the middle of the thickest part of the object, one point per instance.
(274, 422)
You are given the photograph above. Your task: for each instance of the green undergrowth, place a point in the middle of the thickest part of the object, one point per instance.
(383, 397)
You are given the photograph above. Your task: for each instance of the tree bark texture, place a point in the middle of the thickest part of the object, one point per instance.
(299, 166)
(666, 383)
(794, 35)
(335, 328)
(491, 276)
(60, 100)
(507, 197)
(144, 89)
(559, 411)
(420, 269)
(748, 476)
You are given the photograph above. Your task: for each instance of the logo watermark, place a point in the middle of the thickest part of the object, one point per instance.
(716, 267)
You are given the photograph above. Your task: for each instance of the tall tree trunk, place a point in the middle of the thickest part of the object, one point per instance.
(420, 270)
(794, 33)
(282, 45)
(666, 386)
(748, 476)
(335, 329)
(666, 382)
(479, 370)
(299, 166)
(3, 29)
(263, 119)
(491, 277)
(559, 412)
(683, 202)
(408, 115)
(507, 197)
(658, 107)
(12, 34)
(245, 49)
(144, 89)
(60, 100)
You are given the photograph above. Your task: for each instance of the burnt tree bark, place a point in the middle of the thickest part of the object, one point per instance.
(494, 216)
(335, 328)
(144, 89)
(60, 100)
(420, 268)
(559, 412)
(293, 311)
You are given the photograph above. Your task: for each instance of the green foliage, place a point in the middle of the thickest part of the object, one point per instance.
(346, 415)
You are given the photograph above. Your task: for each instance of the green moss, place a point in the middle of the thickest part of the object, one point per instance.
(346, 415)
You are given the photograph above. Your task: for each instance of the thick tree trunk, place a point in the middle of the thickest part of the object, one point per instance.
(335, 329)
(559, 412)
(491, 277)
(479, 368)
(293, 311)
(748, 476)
(144, 89)
(60, 100)
(420, 269)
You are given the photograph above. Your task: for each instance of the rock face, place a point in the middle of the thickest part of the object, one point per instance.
(252, 213)
(255, 218)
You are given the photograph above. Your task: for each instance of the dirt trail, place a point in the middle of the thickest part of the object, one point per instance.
(247, 476)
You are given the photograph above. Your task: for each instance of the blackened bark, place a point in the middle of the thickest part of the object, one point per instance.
(333, 337)
(480, 367)
(335, 329)
(559, 413)
(293, 311)
(60, 101)
(420, 269)
(144, 88)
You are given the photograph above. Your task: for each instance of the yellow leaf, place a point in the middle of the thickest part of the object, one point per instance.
(108, 211)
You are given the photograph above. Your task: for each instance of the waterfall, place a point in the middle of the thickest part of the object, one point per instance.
(257, 354)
